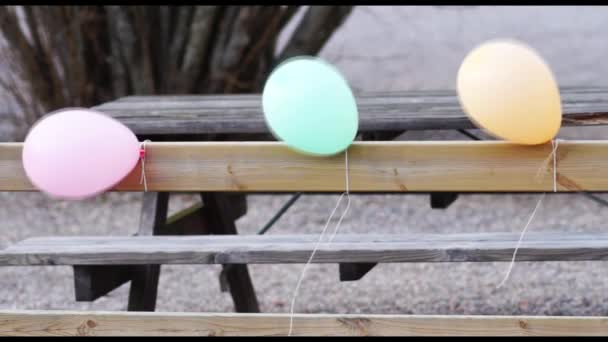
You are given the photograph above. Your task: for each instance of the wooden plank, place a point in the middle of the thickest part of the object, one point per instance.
(414, 110)
(394, 166)
(564, 90)
(272, 249)
(72, 323)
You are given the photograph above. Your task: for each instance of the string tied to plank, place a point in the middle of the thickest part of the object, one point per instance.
(554, 144)
(552, 157)
(142, 157)
(345, 194)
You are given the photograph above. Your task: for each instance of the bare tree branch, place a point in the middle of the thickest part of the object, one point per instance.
(120, 53)
(83, 55)
(65, 22)
(287, 13)
(94, 54)
(162, 51)
(124, 32)
(196, 51)
(316, 27)
(143, 49)
(267, 37)
(179, 37)
(216, 71)
(40, 75)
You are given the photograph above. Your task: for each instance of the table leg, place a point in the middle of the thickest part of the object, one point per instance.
(220, 211)
(144, 281)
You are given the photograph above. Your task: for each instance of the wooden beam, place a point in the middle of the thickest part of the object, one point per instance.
(401, 111)
(71, 323)
(395, 166)
(284, 249)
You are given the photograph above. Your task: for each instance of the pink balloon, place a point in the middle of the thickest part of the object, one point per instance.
(78, 153)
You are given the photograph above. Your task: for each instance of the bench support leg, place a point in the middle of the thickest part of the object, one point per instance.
(144, 288)
(220, 211)
(442, 200)
(355, 271)
(92, 282)
(144, 279)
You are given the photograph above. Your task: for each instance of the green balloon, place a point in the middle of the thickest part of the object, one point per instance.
(309, 105)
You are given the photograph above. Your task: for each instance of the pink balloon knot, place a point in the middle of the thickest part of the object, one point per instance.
(142, 153)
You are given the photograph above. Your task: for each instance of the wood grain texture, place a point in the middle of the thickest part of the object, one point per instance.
(283, 249)
(395, 166)
(394, 111)
(71, 323)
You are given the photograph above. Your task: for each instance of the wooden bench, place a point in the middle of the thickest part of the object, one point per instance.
(223, 171)
(285, 249)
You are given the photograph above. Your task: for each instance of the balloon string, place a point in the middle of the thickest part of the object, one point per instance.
(314, 251)
(142, 154)
(347, 193)
(554, 144)
(553, 155)
(521, 236)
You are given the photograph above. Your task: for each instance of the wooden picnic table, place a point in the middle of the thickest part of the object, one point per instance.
(224, 172)
(383, 116)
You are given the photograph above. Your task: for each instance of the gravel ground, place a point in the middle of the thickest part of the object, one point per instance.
(379, 48)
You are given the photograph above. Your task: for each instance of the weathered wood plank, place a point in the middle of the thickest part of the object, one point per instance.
(395, 166)
(71, 323)
(254, 249)
(414, 110)
(60, 241)
(591, 91)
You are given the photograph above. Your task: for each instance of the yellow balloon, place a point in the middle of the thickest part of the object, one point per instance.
(509, 91)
